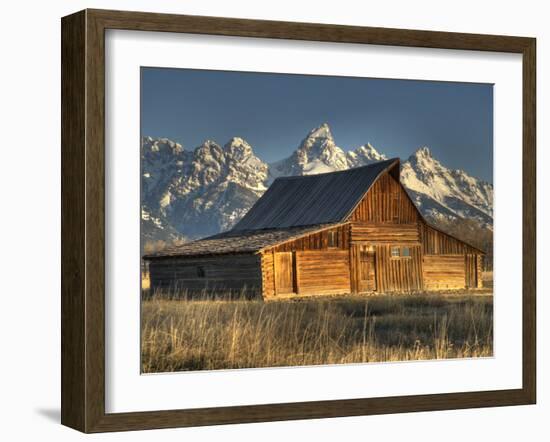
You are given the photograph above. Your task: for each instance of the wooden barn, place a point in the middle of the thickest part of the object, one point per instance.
(352, 231)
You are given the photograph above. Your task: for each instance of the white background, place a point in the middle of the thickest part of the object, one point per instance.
(128, 391)
(29, 178)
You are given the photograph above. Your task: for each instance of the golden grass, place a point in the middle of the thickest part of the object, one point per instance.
(217, 334)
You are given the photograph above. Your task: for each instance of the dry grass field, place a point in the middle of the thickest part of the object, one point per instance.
(226, 334)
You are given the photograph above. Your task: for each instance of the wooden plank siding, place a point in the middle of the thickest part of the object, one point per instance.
(367, 271)
(318, 268)
(385, 202)
(355, 268)
(444, 272)
(285, 273)
(323, 272)
(448, 262)
(435, 242)
(403, 274)
(385, 233)
(473, 271)
(268, 274)
(479, 259)
(232, 273)
(317, 241)
(470, 265)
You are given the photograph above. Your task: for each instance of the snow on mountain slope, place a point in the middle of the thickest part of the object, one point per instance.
(455, 190)
(364, 155)
(440, 193)
(162, 161)
(207, 190)
(317, 153)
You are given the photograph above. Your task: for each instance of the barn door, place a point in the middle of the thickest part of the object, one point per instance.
(285, 273)
(367, 269)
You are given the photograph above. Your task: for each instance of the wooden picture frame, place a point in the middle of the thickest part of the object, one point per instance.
(83, 219)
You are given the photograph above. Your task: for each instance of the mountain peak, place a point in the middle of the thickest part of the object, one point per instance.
(209, 143)
(363, 155)
(154, 145)
(370, 151)
(323, 131)
(238, 148)
(236, 140)
(317, 153)
(423, 158)
(424, 152)
(465, 196)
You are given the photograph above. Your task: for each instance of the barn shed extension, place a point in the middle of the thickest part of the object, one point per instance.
(353, 231)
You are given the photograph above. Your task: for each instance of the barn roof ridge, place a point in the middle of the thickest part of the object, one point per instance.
(313, 199)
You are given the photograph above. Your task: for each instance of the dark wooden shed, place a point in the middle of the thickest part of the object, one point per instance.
(351, 231)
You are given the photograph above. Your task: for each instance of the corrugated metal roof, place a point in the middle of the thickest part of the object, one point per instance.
(312, 199)
(236, 242)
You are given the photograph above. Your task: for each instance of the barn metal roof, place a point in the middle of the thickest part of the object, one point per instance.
(312, 199)
(237, 242)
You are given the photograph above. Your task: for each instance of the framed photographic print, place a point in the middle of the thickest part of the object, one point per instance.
(269, 221)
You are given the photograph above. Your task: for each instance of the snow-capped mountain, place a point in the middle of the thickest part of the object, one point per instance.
(162, 161)
(204, 192)
(446, 193)
(195, 193)
(364, 155)
(317, 153)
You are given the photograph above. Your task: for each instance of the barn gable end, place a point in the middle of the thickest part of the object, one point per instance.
(326, 198)
(385, 202)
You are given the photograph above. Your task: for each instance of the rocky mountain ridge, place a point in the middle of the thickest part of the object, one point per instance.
(188, 194)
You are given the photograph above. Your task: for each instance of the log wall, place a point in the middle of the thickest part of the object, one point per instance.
(473, 271)
(268, 274)
(197, 275)
(324, 272)
(444, 272)
(385, 233)
(479, 259)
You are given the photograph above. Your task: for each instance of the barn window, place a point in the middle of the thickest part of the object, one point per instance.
(405, 252)
(200, 272)
(395, 252)
(332, 239)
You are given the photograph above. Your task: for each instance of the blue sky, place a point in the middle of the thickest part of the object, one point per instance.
(274, 112)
